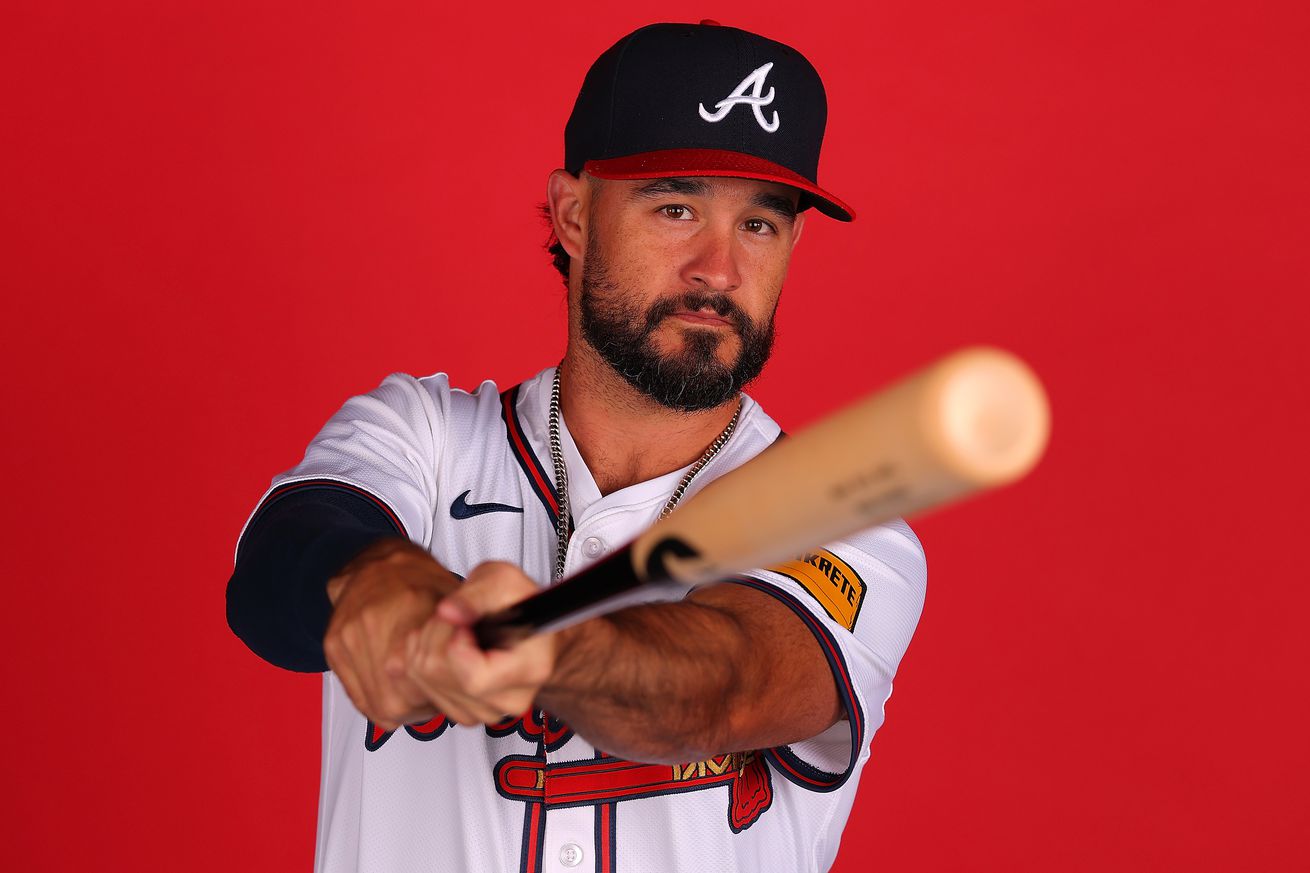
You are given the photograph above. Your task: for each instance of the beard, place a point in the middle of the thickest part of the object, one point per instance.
(689, 380)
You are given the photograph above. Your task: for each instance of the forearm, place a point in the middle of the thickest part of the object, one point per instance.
(649, 683)
(664, 683)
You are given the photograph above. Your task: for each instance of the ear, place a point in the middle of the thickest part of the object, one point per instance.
(796, 227)
(567, 196)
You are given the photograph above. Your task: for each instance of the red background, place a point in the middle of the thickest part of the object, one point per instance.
(221, 219)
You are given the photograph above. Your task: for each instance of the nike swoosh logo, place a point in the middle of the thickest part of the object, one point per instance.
(461, 509)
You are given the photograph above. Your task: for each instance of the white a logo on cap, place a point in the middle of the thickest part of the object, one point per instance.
(754, 82)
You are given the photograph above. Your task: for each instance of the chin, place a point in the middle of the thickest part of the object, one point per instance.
(680, 341)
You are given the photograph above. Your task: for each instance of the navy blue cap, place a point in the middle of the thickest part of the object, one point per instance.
(702, 100)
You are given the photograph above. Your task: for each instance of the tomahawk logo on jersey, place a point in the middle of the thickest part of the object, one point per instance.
(465, 476)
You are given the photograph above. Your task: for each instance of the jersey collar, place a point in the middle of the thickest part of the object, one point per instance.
(585, 500)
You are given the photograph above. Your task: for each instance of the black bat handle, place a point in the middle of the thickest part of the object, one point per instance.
(578, 596)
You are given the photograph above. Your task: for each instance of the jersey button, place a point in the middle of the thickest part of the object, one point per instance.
(592, 547)
(570, 855)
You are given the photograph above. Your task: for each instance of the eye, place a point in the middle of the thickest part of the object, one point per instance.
(758, 226)
(676, 212)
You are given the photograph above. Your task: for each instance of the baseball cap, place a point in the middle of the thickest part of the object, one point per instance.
(702, 100)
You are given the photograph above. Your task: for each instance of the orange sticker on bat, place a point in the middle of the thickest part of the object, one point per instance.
(832, 581)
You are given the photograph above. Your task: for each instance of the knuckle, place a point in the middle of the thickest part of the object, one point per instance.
(370, 618)
(490, 571)
(411, 600)
(348, 635)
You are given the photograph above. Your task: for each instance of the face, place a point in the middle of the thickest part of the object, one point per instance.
(681, 279)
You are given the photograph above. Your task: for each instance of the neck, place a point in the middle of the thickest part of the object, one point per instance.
(624, 436)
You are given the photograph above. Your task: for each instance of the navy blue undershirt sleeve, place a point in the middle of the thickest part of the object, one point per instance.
(277, 599)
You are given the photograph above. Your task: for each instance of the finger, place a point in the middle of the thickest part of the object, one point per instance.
(340, 663)
(500, 682)
(457, 610)
(395, 662)
(527, 665)
(431, 670)
(400, 701)
(425, 645)
(384, 704)
(398, 697)
(425, 663)
(411, 648)
(460, 709)
(418, 715)
(471, 711)
(390, 699)
(468, 663)
(410, 660)
(350, 663)
(405, 648)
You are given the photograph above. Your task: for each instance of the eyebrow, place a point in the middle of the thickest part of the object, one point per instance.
(663, 187)
(782, 207)
(777, 204)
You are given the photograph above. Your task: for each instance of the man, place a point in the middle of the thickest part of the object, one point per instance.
(723, 731)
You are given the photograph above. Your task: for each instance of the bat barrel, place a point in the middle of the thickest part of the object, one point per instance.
(974, 420)
(985, 417)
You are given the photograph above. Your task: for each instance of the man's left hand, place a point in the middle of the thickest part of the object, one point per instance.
(468, 685)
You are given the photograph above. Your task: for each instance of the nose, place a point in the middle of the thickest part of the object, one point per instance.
(714, 261)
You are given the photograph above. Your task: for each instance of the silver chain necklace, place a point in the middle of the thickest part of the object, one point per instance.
(564, 521)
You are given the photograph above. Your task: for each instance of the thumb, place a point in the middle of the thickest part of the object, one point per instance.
(489, 588)
(456, 609)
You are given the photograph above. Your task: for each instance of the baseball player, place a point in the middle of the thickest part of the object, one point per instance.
(722, 731)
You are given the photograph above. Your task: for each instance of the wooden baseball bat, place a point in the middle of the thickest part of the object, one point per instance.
(974, 420)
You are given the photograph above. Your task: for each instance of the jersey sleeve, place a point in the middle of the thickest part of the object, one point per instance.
(369, 473)
(861, 598)
(387, 444)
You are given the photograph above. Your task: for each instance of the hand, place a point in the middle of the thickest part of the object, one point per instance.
(379, 598)
(468, 685)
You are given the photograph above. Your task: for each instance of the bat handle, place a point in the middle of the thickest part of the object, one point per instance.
(502, 630)
(600, 588)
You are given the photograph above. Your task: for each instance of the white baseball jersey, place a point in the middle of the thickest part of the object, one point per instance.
(468, 476)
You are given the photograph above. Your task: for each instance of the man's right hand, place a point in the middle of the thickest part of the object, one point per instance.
(388, 590)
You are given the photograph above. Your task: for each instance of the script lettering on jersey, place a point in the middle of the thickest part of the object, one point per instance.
(375, 737)
(535, 726)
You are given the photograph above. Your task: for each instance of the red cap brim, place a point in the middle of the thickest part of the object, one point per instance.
(714, 162)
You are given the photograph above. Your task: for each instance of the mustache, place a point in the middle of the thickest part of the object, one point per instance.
(720, 304)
